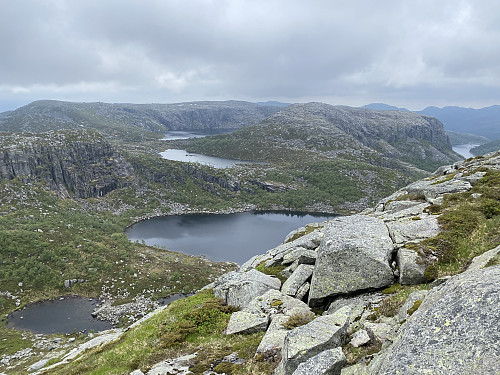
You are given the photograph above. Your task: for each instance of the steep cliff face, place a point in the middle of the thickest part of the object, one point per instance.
(77, 163)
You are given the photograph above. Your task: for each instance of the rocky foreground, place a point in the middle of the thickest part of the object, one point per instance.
(447, 326)
(450, 329)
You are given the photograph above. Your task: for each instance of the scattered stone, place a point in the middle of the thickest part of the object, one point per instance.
(297, 279)
(411, 267)
(38, 365)
(308, 340)
(379, 332)
(329, 362)
(275, 335)
(359, 338)
(274, 302)
(410, 230)
(303, 290)
(402, 314)
(239, 288)
(303, 256)
(246, 322)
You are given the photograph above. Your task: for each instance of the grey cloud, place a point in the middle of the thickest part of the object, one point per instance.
(167, 50)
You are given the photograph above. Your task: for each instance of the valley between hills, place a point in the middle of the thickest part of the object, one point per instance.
(74, 176)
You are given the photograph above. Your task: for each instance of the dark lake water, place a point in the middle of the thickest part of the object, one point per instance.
(64, 316)
(58, 316)
(232, 237)
(213, 161)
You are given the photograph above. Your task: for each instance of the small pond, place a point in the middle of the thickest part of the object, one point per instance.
(67, 315)
(231, 237)
(213, 161)
(64, 315)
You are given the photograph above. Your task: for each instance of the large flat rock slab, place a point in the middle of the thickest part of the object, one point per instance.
(354, 255)
(454, 331)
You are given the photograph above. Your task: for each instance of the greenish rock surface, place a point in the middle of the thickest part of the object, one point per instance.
(413, 229)
(275, 335)
(304, 342)
(297, 279)
(246, 322)
(329, 362)
(411, 267)
(454, 331)
(403, 314)
(354, 255)
(482, 260)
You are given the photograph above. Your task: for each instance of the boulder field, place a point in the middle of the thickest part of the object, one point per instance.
(448, 327)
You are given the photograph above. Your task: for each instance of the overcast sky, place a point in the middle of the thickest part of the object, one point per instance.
(406, 53)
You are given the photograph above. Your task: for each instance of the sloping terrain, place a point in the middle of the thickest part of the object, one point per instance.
(133, 121)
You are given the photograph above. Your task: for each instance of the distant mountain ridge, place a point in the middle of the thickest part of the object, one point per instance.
(483, 121)
(46, 115)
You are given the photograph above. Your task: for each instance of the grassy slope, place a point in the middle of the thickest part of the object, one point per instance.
(471, 227)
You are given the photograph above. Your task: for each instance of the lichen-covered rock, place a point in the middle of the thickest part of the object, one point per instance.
(303, 256)
(411, 267)
(329, 362)
(454, 331)
(309, 241)
(354, 255)
(413, 229)
(301, 293)
(431, 189)
(275, 335)
(380, 332)
(297, 279)
(403, 314)
(274, 302)
(482, 260)
(304, 342)
(246, 322)
(239, 288)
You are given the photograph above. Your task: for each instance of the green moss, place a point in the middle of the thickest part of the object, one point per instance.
(272, 270)
(309, 229)
(276, 303)
(354, 355)
(493, 261)
(394, 288)
(415, 306)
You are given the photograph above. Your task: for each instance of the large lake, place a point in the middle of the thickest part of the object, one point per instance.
(213, 161)
(185, 134)
(232, 237)
(464, 150)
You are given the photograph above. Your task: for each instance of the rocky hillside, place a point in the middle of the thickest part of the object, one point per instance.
(74, 163)
(377, 137)
(408, 287)
(41, 116)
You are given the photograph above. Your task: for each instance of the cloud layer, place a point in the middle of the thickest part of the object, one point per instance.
(409, 54)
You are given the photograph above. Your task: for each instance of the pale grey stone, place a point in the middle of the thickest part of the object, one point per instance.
(402, 314)
(357, 369)
(354, 255)
(303, 256)
(274, 302)
(239, 288)
(275, 335)
(38, 365)
(136, 372)
(411, 267)
(431, 189)
(301, 293)
(297, 279)
(287, 272)
(454, 331)
(409, 230)
(306, 341)
(380, 332)
(411, 211)
(246, 322)
(481, 260)
(329, 362)
(359, 338)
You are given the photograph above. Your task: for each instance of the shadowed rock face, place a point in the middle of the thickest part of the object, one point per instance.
(454, 331)
(76, 163)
